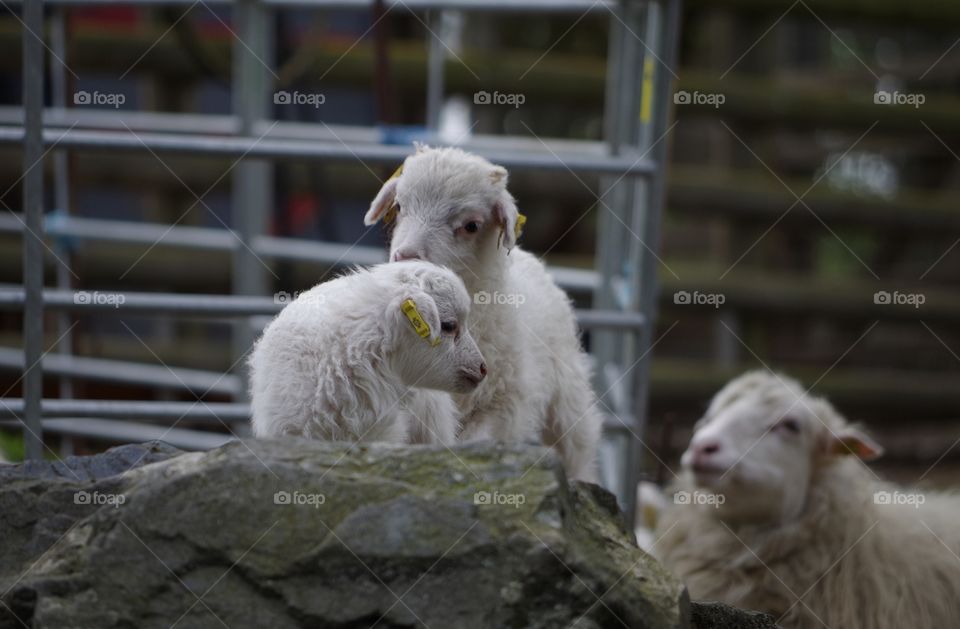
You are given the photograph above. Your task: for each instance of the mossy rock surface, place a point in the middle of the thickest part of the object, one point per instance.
(310, 534)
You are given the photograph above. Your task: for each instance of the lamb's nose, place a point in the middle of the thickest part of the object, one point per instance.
(483, 370)
(705, 450)
(709, 448)
(403, 254)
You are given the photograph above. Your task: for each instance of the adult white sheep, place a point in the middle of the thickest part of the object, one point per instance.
(778, 513)
(453, 209)
(340, 361)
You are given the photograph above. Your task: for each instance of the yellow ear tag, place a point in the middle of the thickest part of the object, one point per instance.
(392, 212)
(518, 229)
(409, 308)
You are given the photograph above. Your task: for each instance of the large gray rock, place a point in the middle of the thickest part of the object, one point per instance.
(711, 615)
(308, 534)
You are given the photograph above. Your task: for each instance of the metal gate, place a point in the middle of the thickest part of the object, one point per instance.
(640, 68)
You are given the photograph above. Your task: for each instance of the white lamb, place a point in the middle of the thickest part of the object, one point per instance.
(453, 208)
(777, 512)
(339, 363)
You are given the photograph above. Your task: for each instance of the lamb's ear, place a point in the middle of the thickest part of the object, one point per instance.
(505, 215)
(383, 202)
(419, 311)
(852, 441)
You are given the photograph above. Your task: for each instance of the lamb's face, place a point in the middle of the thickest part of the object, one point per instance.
(447, 207)
(759, 443)
(446, 357)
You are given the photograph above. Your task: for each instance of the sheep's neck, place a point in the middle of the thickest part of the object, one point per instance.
(490, 275)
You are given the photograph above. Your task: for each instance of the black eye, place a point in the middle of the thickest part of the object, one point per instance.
(472, 227)
(790, 425)
(448, 326)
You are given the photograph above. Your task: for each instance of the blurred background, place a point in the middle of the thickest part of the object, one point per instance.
(811, 222)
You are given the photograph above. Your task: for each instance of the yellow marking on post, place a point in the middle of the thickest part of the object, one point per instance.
(646, 96)
(409, 308)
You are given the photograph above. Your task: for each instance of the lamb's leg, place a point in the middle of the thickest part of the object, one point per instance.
(432, 418)
(573, 426)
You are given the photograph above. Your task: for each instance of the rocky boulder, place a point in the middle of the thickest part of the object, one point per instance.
(310, 534)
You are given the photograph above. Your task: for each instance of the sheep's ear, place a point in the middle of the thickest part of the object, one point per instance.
(852, 441)
(498, 175)
(383, 203)
(510, 221)
(420, 312)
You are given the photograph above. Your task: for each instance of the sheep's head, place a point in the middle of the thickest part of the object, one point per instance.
(760, 443)
(448, 207)
(432, 347)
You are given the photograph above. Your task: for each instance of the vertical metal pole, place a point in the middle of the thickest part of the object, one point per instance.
(666, 21)
(435, 65)
(614, 350)
(32, 237)
(61, 200)
(252, 182)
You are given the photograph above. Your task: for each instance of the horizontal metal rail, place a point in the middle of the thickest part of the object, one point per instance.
(214, 239)
(129, 373)
(63, 118)
(213, 412)
(232, 306)
(275, 148)
(130, 432)
(500, 6)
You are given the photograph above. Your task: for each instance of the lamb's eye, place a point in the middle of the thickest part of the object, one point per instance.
(448, 326)
(472, 227)
(790, 425)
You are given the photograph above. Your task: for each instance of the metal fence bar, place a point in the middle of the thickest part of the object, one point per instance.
(33, 212)
(500, 6)
(61, 198)
(252, 147)
(130, 432)
(235, 306)
(215, 412)
(130, 373)
(663, 26)
(218, 413)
